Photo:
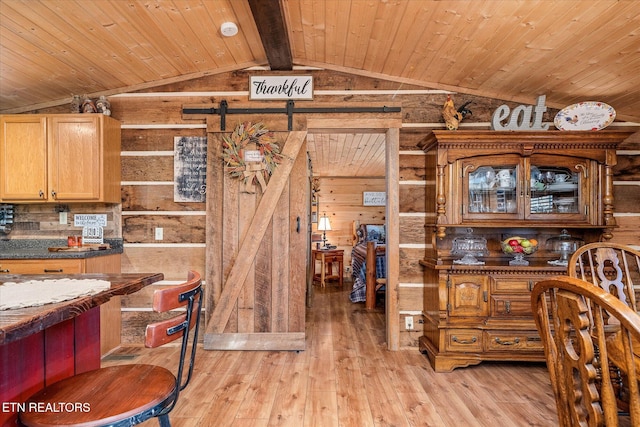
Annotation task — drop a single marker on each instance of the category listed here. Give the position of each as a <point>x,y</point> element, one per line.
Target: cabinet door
<point>559,189</point>
<point>491,187</point>
<point>468,295</point>
<point>75,158</point>
<point>23,166</point>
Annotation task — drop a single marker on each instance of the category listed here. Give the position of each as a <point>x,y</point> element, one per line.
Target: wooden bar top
<point>20,323</point>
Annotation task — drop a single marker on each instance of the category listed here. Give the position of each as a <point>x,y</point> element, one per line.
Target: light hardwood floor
<point>346,377</point>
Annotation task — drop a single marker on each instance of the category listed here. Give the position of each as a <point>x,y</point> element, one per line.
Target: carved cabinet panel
<point>468,295</point>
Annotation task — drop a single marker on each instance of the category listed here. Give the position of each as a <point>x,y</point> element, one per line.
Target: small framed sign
<point>252,156</point>
<point>374,198</point>
<point>281,87</point>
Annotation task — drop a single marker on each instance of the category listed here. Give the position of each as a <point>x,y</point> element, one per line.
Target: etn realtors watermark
<point>56,407</point>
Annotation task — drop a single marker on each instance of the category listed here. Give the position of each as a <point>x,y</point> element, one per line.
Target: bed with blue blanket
<point>365,234</point>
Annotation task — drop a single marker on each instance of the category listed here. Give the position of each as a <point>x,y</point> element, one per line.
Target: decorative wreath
<point>255,137</point>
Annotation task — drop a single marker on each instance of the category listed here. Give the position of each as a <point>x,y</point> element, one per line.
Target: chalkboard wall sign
<point>189,168</point>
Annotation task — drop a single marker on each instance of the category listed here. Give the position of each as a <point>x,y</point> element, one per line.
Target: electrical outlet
<point>63,218</point>
<point>159,233</point>
<point>408,323</point>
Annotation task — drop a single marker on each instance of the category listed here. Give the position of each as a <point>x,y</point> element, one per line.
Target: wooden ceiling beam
<point>269,18</point>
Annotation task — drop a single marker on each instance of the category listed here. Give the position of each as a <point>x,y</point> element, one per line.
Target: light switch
<point>63,218</point>
<point>159,233</point>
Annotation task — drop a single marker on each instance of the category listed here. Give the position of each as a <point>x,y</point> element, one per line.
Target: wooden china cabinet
<point>493,185</point>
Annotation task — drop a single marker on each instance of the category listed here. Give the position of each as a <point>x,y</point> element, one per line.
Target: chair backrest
<point>571,315</point>
<point>611,266</point>
<point>189,296</point>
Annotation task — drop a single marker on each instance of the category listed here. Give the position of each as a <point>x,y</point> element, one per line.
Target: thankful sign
<point>281,87</point>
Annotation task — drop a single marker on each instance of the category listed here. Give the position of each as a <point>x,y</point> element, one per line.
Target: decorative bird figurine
<point>464,110</point>
<point>453,117</point>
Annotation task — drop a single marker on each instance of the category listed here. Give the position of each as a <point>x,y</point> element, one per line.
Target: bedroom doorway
<point>390,128</point>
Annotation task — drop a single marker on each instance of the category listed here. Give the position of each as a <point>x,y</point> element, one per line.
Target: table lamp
<point>324,225</point>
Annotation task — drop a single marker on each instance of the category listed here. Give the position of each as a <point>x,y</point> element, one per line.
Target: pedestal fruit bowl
<point>519,247</point>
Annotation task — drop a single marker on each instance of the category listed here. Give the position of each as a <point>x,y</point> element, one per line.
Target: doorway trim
<point>390,125</point>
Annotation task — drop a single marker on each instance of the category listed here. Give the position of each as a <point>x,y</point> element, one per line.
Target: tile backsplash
<point>6,218</point>
<point>42,221</point>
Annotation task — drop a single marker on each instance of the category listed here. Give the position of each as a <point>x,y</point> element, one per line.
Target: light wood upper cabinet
<point>23,158</point>
<point>59,158</point>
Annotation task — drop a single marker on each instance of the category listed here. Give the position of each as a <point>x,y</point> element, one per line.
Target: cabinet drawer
<point>58,266</point>
<point>463,340</point>
<point>513,341</point>
<point>333,258</point>
<point>510,306</point>
<point>514,285</point>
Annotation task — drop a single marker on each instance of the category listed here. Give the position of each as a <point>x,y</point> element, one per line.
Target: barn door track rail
<point>289,110</point>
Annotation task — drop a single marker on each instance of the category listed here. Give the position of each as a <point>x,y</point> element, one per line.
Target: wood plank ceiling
<point>514,50</point>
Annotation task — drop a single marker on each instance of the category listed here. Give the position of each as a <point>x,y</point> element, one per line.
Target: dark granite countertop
<point>39,249</point>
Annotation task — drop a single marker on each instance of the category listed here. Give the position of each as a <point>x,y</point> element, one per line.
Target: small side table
<point>327,257</point>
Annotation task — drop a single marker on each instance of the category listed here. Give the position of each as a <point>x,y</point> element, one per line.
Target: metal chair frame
<point>188,295</point>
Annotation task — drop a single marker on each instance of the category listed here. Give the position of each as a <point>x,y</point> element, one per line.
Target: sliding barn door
<point>257,245</point>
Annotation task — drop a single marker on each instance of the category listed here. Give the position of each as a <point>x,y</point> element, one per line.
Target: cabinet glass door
<point>490,188</point>
<point>556,188</point>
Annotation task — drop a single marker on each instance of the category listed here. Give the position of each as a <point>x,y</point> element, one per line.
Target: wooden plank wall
<point>151,120</point>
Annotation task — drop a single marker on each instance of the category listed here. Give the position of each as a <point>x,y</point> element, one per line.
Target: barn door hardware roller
<point>289,110</point>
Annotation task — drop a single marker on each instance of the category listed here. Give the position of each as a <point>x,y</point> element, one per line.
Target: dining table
<point>45,343</point>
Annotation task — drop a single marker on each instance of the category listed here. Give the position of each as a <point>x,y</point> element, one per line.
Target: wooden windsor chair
<point>610,266</point>
<point>127,395</point>
<point>571,316</point>
<point>615,268</point>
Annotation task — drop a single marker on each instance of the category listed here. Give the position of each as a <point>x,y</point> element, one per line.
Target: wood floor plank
<point>353,405</point>
<point>226,401</point>
<point>419,409</point>
<point>383,399</point>
<point>321,409</point>
<point>291,397</point>
<point>322,375</point>
<point>250,422</point>
<point>259,399</point>
<point>347,378</point>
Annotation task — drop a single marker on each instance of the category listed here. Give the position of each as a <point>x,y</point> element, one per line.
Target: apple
<point>519,245</point>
